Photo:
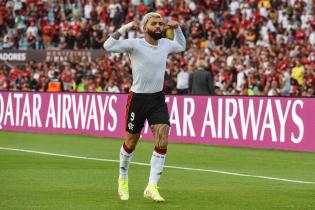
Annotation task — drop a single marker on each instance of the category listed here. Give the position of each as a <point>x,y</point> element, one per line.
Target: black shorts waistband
<point>147,94</point>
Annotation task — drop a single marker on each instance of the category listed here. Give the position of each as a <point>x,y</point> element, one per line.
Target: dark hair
<point>56,73</point>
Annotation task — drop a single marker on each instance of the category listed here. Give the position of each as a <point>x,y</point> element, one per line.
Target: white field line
<point>172,167</point>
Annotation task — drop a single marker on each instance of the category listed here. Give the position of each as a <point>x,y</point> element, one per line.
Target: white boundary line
<point>146,164</point>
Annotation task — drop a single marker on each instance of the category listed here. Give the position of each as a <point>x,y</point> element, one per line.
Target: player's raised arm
<point>113,44</point>
<point>179,42</point>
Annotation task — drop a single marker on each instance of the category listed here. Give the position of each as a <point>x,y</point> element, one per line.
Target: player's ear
<point>145,28</point>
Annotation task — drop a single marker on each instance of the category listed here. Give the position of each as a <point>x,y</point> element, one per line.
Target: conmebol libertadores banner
<point>277,123</point>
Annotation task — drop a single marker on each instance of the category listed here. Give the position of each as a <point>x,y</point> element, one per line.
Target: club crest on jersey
<point>130,126</point>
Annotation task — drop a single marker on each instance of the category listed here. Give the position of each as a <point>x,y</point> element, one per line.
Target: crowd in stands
<point>251,47</point>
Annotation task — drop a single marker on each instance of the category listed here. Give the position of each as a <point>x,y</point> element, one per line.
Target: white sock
<point>157,165</point>
<point>125,159</point>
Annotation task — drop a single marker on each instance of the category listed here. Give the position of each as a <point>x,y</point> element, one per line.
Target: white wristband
<point>125,28</point>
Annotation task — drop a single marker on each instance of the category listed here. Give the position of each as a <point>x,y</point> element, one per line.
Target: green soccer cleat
<point>152,192</point>
<point>123,191</point>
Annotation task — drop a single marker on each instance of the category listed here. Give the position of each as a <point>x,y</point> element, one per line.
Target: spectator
<point>8,41</point>
<point>54,84</point>
<point>272,88</point>
<point>182,80</point>
<point>286,80</point>
<point>201,81</point>
<point>31,41</point>
<point>32,29</point>
<point>111,87</point>
<point>298,72</point>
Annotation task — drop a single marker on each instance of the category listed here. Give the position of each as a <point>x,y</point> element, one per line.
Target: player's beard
<point>155,35</point>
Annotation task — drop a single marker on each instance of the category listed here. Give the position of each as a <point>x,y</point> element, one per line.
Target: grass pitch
<point>39,181</point>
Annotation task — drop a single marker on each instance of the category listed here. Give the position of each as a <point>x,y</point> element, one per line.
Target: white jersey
<point>148,61</point>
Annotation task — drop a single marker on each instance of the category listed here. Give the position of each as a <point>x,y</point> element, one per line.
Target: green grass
<point>35,181</point>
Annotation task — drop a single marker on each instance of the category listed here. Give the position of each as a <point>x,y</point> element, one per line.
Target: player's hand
<point>172,24</point>
<point>135,25</point>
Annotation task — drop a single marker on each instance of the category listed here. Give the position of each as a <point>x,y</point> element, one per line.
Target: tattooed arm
<point>116,35</point>
<point>179,42</point>
<point>113,44</point>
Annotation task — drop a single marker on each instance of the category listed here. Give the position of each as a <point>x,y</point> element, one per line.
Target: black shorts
<point>145,106</point>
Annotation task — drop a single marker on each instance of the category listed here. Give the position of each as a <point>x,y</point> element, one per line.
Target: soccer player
<point>146,100</point>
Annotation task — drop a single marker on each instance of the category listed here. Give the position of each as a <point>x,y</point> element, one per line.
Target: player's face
<point>155,28</point>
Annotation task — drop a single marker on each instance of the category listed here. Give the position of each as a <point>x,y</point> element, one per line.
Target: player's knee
<point>131,144</point>
<point>131,140</point>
